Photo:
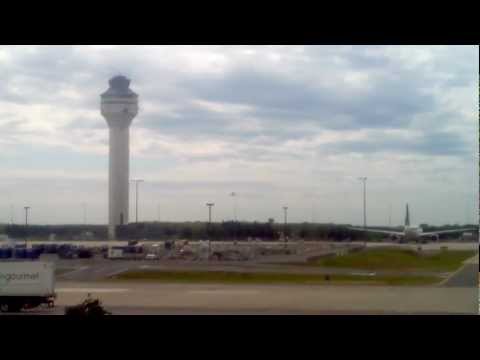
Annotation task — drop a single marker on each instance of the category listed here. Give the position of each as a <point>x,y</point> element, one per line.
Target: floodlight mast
<point>364,180</point>
<point>136,181</point>
<point>285,211</point>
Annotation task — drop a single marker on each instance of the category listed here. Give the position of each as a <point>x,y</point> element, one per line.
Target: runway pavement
<point>200,298</point>
<point>132,310</point>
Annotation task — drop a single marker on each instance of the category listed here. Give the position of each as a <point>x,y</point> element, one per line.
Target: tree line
<point>227,230</point>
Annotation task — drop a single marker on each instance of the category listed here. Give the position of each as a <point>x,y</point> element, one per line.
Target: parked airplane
<point>411,232</point>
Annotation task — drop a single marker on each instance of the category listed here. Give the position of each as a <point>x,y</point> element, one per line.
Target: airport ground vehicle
<point>151,257</point>
<point>124,252</point>
<point>26,284</point>
<point>89,307</point>
<point>114,253</point>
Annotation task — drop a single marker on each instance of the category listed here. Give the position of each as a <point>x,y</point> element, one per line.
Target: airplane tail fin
<point>407,218</point>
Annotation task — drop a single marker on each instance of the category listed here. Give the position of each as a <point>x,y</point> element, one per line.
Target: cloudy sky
<point>278,125</point>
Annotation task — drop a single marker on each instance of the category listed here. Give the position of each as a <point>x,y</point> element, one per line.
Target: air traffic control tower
<point>119,105</point>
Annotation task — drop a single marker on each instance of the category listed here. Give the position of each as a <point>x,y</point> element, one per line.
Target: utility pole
<point>285,209</point>
<point>11,214</point>
<point>364,180</point>
<point>136,181</point>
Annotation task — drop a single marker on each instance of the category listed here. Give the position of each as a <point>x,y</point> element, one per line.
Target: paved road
<point>202,298</point>
<point>467,276</point>
<point>132,310</point>
<point>154,298</point>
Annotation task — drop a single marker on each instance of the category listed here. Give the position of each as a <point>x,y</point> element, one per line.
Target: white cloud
<point>296,118</point>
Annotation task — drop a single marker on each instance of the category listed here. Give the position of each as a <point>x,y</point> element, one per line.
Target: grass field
<point>270,278</point>
<point>398,259</point>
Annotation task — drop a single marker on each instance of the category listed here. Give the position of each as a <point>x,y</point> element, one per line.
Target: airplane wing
<point>445,232</point>
<point>397,233</point>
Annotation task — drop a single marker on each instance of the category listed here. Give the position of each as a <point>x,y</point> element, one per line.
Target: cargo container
<point>26,284</point>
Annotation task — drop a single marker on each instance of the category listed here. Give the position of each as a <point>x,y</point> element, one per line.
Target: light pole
<point>364,180</point>
<point>26,223</point>
<point>312,219</point>
<point>390,215</point>
<point>233,195</point>
<point>285,209</point>
<point>26,214</point>
<point>84,206</point>
<point>210,212</point>
<point>136,181</point>
<point>209,227</point>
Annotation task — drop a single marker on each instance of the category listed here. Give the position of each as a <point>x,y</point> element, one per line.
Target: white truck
<point>115,252</point>
<point>26,284</point>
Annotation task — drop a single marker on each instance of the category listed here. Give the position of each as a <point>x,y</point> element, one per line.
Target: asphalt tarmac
<point>466,276</point>
<point>153,298</point>
<point>459,295</point>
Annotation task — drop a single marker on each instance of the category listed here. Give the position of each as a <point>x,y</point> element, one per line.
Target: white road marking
<point>92,290</point>
<point>117,272</point>
<point>473,260</point>
<point>224,292</point>
<point>363,274</point>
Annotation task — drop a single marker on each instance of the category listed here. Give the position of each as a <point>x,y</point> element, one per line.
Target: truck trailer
<point>26,285</point>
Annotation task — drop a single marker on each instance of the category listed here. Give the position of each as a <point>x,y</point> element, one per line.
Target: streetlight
<point>209,227</point>
<point>233,195</point>
<point>285,209</point>
<point>136,181</point>
<point>84,206</point>
<point>390,215</point>
<point>210,212</point>
<point>26,214</point>
<point>364,180</point>
<point>26,223</point>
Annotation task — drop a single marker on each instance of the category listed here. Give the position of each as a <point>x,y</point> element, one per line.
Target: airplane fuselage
<point>412,232</point>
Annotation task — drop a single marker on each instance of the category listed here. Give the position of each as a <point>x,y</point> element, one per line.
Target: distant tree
<point>187,233</point>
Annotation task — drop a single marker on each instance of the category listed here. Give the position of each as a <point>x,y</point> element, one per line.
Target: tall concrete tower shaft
<point>119,105</point>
